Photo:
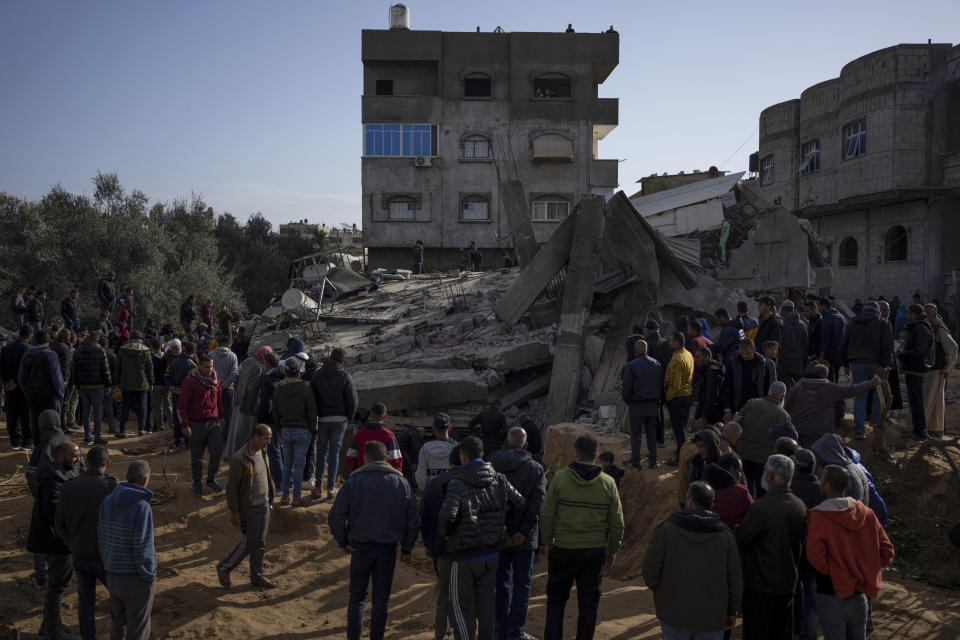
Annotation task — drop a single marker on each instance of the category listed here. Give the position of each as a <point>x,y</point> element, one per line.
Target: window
<point>810,157</point>
<point>402,208</point>
<point>398,140</point>
<point>766,169</point>
<point>475,208</point>
<point>552,147</point>
<point>550,210</point>
<point>476,147</point>
<point>895,244</point>
<point>854,139</point>
<point>552,85</point>
<point>384,87</point>
<point>477,86</point>
<point>848,257</point>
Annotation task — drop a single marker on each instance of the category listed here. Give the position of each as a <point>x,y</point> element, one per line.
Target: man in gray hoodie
<point>829,450</point>
<point>227,367</point>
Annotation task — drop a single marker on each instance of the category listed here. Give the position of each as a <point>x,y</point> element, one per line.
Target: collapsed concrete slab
<point>402,389</point>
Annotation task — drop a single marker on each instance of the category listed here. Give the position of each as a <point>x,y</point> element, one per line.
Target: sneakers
<point>285,501</point>
<point>143,432</point>
<point>332,493</point>
<point>88,441</point>
<point>99,441</point>
<point>300,502</point>
<point>197,489</point>
<point>309,484</point>
<point>16,447</point>
<point>223,575</point>
<point>214,486</point>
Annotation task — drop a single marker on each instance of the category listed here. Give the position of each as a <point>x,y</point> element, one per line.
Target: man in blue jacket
<point>41,380</point>
<point>642,382</point>
<point>373,512</point>
<point>125,532</point>
<point>436,544</point>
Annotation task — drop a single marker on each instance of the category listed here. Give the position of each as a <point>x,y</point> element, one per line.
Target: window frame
<point>547,76</point>
<point>888,244</point>
<point>843,261</point>
<point>854,130</point>
<point>473,138</point>
<point>476,75</point>
<point>474,198</point>
<point>764,180</point>
<point>412,206</point>
<point>810,151</point>
<point>419,139</point>
<point>546,202</point>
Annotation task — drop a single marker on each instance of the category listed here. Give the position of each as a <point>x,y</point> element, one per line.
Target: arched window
<point>402,208</point>
<point>848,252</point>
<point>551,147</point>
<point>895,244</point>
<point>476,147</point>
<point>475,207</point>
<point>550,209</point>
<point>477,85</point>
<point>552,85</point>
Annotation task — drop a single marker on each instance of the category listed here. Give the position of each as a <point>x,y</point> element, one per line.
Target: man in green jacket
<point>582,525</point>
<point>135,377</point>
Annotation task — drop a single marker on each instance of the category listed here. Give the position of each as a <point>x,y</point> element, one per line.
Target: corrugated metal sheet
<point>686,195</point>
<point>702,216</point>
<point>687,249</point>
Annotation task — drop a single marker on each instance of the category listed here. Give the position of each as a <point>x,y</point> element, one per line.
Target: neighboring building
<point>303,229</point>
<point>346,237</point>
<point>655,183</point>
<point>438,107</point>
<point>872,158</point>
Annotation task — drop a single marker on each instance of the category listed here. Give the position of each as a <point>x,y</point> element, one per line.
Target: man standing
<point>749,376</point>
<point>418,257</point>
<point>18,307</point>
<point>177,371</point>
<point>245,400</point>
<point>811,402</point>
<point>125,532</point>
<point>336,399</point>
<point>63,347</point>
<point>935,381</point>
<point>160,408</point>
<point>916,357</point>
<point>641,390</point>
<point>678,387</point>
<point>813,318</point>
<point>848,548</point>
<point>582,527</point>
<point>832,328</point>
<point>436,544</point>
<point>527,477</point>
<point>709,387</point>
<point>200,414</point>
<point>68,311</point>
<point>730,336</point>
<point>249,498</point>
<point>771,540</point>
<point>492,427</point>
<point>188,313</point>
<point>747,322</point>
<point>693,558</point>
<point>794,344</point>
<point>866,346</point>
<point>374,429</point>
<point>43,536</point>
<point>659,350</point>
<point>41,380</point>
<point>206,314</point>
<point>373,512</point>
<point>695,338</point>
<point>35,312</point>
<point>434,457</point>
<point>17,407</point>
<point>107,291</point>
<point>770,326</point>
<point>758,417</point>
<point>76,524</point>
<point>272,377</point>
<point>135,377</point>
<point>227,367</point>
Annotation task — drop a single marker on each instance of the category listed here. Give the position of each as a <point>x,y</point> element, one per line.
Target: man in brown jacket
<point>249,496</point>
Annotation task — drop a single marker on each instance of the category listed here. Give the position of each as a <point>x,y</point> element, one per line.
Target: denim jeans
<point>295,443</point>
<point>843,618</point>
<point>59,573</point>
<point>329,441</point>
<point>91,401</point>
<point>511,613</point>
<point>375,561</point>
<point>87,575</point>
<point>805,618</point>
<point>137,400</point>
<point>860,372</point>
<point>275,455</point>
<point>673,633</point>
<point>40,567</point>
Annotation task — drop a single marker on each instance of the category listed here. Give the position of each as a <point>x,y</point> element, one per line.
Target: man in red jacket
<point>200,414</point>
<point>848,548</point>
<point>374,429</point>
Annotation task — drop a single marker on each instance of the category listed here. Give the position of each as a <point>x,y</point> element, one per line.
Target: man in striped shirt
<point>374,429</point>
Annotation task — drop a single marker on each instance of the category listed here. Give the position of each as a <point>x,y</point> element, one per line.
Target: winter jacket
<point>159,368</point>
<point>68,311</point>
<point>700,341</point>
<point>750,326</point>
<point>493,428</point>
<point>614,472</point>
<point>698,464</point>
<point>240,483</point>
<point>794,340</point>
<point>811,403</point>
<point>433,461</point>
<point>771,539</point>
<point>829,449</point>
<point>179,369</point>
<point>832,328</point>
<point>918,354</point>
<point>737,390</point>
<point>373,431</point>
<point>199,399</point>
<point>475,512</point>
<point>642,380</point>
<point>51,437</point>
<point>294,406</point>
<point>134,367</point>
<point>876,503</point>
<point>334,391</point>
<point>248,386</point>
<point>375,506</point>
<point>188,313</point>
<point>582,510</point>
<point>760,415</point>
<point>78,511</point>
<point>527,477</point>
<point>728,341</point>
<point>709,393</point>
<point>430,505</point>
<point>206,316</point>
<point>769,328</point>
<point>106,291</point>
<point>10,358</point>
<point>806,486</point>
<point>64,351</point>
<point>126,532</point>
<point>268,385</point>
<point>813,336</point>
<point>90,367</point>
<point>40,372</point>
<point>693,568</point>
<point>659,349</point>
<point>732,500</point>
<point>848,548</point>
<point>42,536</point>
<point>410,441</point>
<point>867,340</point>
<point>678,378</point>
<point>227,367</point>
<point>35,312</point>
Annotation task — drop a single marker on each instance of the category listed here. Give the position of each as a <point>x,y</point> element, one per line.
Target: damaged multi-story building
<point>449,117</point>
<point>872,159</point>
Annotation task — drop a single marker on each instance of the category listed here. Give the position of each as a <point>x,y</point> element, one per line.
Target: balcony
<point>605,111</point>
<point>603,173</point>
<point>387,109</point>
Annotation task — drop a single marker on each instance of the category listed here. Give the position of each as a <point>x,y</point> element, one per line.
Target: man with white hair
<point>729,437</point>
<point>757,418</point>
<point>771,539</point>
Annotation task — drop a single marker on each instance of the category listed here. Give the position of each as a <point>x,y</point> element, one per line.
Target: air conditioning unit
<point>422,161</point>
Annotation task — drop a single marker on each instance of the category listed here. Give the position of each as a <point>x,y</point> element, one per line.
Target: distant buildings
<point>655,183</point>
<point>344,236</point>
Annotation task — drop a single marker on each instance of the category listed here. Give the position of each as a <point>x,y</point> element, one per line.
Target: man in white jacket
<point>435,454</point>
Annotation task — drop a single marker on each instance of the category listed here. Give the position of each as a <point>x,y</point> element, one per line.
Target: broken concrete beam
<point>418,388</point>
<point>577,297</point>
<point>518,357</point>
<point>538,273</point>
<point>514,200</point>
<point>527,392</point>
<point>544,314</point>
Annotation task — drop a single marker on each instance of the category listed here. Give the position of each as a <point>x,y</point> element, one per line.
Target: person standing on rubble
<point>418,257</point>
<point>678,386</point>
<point>336,399</point>
<point>641,389</point>
<point>272,376</point>
<point>492,427</point>
<point>770,323</point>
<point>659,350</point>
<point>476,257</point>
<point>731,333</point>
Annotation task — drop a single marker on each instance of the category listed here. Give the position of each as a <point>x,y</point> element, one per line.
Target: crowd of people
<point>779,523</point>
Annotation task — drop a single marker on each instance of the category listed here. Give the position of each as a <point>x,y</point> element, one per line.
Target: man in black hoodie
<point>527,476</point>
<point>866,346</point>
<point>336,400</point>
<point>17,407</point>
<point>474,516</point>
<point>916,358</point>
<point>433,495</point>
<point>490,426</point>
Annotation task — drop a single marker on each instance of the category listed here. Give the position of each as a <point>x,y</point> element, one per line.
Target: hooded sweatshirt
<point>867,340</point>
<point>226,365</point>
<point>830,450</point>
<point>134,367</point>
<point>200,398</point>
<point>848,548</point>
<point>126,532</point>
<point>732,500</point>
<point>51,436</point>
<point>693,568</point>
<point>582,510</point>
<point>698,465</point>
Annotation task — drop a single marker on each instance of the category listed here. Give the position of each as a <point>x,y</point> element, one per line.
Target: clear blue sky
<point>255,105</point>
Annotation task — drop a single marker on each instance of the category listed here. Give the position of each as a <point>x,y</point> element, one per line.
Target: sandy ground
<point>194,533</point>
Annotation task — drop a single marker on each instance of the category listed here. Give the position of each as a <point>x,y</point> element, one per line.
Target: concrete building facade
<point>872,158</point>
<point>446,116</point>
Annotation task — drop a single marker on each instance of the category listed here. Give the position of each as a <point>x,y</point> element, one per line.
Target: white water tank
<point>400,17</point>
<point>299,304</point>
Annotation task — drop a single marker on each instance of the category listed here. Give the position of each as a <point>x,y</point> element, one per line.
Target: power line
<point>749,138</point>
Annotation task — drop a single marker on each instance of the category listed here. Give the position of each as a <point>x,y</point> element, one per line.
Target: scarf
<point>261,353</point>
<point>208,381</point>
